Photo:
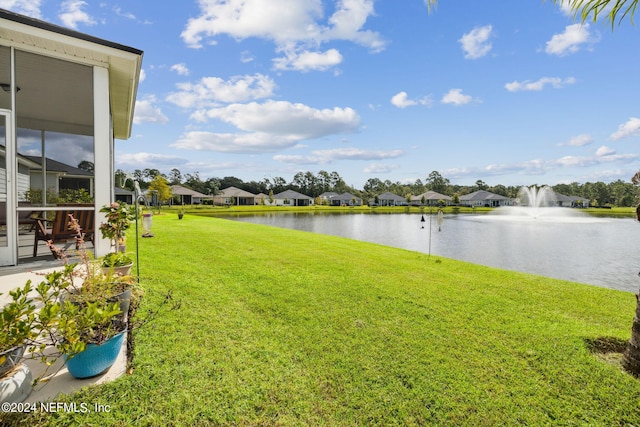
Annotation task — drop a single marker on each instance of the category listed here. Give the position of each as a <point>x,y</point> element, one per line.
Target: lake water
<point>598,251</point>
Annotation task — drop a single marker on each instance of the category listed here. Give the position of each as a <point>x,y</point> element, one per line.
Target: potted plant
<point>24,324</point>
<point>89,336</point>
<point>84,312</point>
<point>118,219</point>
<point>86,333</point>
<point>17,319</point>
<point>181,212</point>
<point>118,262</point>
<point>87,281</point>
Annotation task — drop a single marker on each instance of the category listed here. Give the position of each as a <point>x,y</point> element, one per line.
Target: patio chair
<point>24,217</point>
<point>61,229</point>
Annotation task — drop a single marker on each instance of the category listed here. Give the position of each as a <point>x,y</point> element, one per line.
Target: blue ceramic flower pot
<point>95,359</point>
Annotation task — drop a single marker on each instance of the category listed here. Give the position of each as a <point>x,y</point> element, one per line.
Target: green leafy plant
<point>119,217</point>
<point>69,324</point>
<point>17,320</point>
<point>74,196</point>
<point>116,259</point>
<point>86,280</point>
<point>80,325</point>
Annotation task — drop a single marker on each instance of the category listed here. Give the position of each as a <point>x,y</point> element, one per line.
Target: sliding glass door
<point>7,218</point>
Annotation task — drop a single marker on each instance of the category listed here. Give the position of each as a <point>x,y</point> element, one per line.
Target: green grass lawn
<point>281,327</point>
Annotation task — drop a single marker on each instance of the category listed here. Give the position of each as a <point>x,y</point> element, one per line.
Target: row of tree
<point>616,193</point>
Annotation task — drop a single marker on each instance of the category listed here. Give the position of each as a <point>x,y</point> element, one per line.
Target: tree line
<point>616,193</point>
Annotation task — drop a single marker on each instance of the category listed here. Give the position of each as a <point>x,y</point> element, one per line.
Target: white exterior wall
<point>23,185</point>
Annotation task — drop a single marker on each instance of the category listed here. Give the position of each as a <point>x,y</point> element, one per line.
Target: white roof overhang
<point>41,38</point>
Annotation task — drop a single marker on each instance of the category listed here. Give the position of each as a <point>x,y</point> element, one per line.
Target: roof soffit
<point>123,63</point>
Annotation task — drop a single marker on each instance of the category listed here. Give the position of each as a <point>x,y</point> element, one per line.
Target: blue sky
<point>509,92</point>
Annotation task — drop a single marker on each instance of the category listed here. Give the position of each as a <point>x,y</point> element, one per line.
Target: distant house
<point>571,201</point>
<point>291,198</point>
<point>261,199</point>
<point>234,196</point>
<point>485,198</point>
<point>123,195</point>
<point>326,197</point>
<point>430,198</point>
<point>187,196</point>
<point>345,199</point>
<point>390,199</point>
<point>60,176</point>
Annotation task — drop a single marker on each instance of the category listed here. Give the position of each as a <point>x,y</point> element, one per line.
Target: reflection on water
<point>598,251</point>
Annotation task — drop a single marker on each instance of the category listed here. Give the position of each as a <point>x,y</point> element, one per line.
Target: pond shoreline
<point>597,250</point>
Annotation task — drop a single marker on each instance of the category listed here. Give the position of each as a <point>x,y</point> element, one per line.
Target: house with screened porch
<point>65,97</point>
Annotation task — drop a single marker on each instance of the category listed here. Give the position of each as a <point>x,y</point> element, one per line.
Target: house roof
<point>179,190</point>
<point>431,195</point>
<point>59,167</point>
<point>390,196</point>
<point>563,198</point>
<point>123,191</point>
<point>482,195</point>
<point>328,195</point>
<point>290,194</point>
<point>235,192</point>
<point>70,93</point>
<point>345,196</point>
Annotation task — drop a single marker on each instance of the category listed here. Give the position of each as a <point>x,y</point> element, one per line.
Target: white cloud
<point>347,22</point>
<point>288,23</point>
<point>299,159</point>
<point>630,128</point>
<point>539,84</point>
<point>327,156</point>
<point>24,7</point>
<point>380,168</point>
<point>146,112</point>
<point>270,126</point>
<point>565,7</point>
<point>475,43</point>
<point>148,159</point>
<point>281,21</point>
<point>307,60</point>
<point>118,11</point>
<point>71,14</point>
<point>297,27</point>
<point>605,151</point>
<point>181,69</point>
<point>401,100</point>
<point>143,76</point>
<point>578,141</point>
<point>210,91</point>
<point>357,154</point>
<point>298,121</point>
<point>456,97</point>
<point>246,57</point>
<point>570,41</point>
<point>257,142</point>
<point>604,155</point>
